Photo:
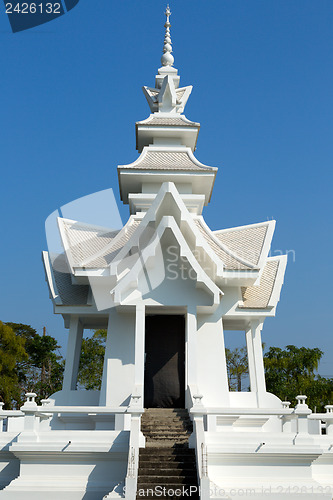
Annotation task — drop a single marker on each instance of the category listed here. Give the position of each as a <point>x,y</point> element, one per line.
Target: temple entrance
<point>165,362</point>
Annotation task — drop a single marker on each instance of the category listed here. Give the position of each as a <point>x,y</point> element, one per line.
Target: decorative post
<point>44,417</point>
<point>136,440</point>
<point>31,421</point>
<point>329,420</point>
<point>286,419</point>
<point>302,411</point>
<point>197,441</point>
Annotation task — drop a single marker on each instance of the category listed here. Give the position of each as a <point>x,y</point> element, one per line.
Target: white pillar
<point>250,357</point>
<point>73,354</point>
<point>139,370</point>
<point>191,341</point>
<point>256,327</point>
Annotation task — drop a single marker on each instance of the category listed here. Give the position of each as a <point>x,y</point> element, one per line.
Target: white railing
<point>136,440</point>
<point>198,440</point>
<point>33,418</point>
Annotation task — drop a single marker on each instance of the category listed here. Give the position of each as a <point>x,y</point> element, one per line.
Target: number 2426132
<point>33,8</point>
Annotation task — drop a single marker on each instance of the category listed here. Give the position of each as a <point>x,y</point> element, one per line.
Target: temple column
<point>191,352</point>
<point>73,354</point>
<point>250,357</point>
<point>139,371</point>
<point>256,327</point>
<point>191,331</point>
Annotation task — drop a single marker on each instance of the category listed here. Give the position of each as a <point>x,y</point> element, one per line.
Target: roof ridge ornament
<point>167,57</point>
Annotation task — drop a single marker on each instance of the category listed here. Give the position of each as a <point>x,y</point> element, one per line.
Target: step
<point>161,415</point>
<point>164,443</point>
<point>170,485</point>
<point>159,437</point>
<point>166,423</point>
<point>163,469</point>
<point>159,423</point>
<point>173,477</point>
<point>168,464</point>
<point>175,451</point>
<point>165,433</point>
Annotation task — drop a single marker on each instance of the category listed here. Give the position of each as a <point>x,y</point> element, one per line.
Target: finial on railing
<point>167,58</point>
<point>30,398</point>
<point>301,399</point>
<point>197,399</point>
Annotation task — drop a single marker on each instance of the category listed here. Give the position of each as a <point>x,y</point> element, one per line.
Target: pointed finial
<point>167,58</point>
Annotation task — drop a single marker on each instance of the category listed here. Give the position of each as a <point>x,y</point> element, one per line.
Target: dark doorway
<point>165,362</point>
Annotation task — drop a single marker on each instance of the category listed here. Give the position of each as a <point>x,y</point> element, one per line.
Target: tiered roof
<point>166,187</point>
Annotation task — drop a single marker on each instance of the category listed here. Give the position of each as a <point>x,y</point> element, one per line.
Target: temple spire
<point>167,97</point>
<point>167,57</point>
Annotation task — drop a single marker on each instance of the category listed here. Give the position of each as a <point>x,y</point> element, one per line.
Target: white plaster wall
<point>9,464</point>
<point>212,377</point>
<point>75,398</point>
<point>118,372</point>
<point>71,465</point>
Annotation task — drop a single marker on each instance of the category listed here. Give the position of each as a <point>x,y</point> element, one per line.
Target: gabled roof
<point>235,249</point>
<point>229,258</point>
<point>267,293</point>
<point>59,279</point>
<point>144,262</point>
<point>251,242</point>
<point>82,241</point>
<point>92,251</point>
<point>110,252</point>
<point>216,258</point>
<point>88,246</point>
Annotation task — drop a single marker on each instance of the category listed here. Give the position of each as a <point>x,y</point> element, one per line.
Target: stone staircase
<point>167,466</point>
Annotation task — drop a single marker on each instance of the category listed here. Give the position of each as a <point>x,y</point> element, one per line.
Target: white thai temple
<point>166,287</point>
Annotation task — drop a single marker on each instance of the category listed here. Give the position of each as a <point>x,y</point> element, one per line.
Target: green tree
<point>292,371</point>
<point>42,371</point>
<point>12,352</point>
<point>92,360</point>
<point>237,367</point>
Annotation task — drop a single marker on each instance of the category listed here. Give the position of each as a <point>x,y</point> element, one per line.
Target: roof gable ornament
<point>167,58</point>
<point>167,97</point>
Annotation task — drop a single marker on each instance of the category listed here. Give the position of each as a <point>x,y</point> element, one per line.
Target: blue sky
<point>262,76</point>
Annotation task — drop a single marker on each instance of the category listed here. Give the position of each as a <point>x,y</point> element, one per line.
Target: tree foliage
<point>41,371</point>
<point>292,371</point>
<point>92,360</point>
<point>12,352</point>
<point>237,367</point>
